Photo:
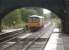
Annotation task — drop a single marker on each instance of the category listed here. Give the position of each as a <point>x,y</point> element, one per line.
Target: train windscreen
<point>33,19</point>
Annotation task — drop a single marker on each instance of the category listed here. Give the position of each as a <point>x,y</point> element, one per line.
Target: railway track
<point>24,41</point>
<point>9,36</point>
<point>18,41</point>
<point>38,44</point>
<point>24,44</point>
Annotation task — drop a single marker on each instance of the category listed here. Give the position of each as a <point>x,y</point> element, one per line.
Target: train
<point>35,22</point>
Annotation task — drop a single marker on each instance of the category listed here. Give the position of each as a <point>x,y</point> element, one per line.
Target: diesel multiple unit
<point>35,22</point>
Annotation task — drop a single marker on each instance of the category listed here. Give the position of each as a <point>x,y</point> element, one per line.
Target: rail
<point>10,35</point>
<point>24,42</point>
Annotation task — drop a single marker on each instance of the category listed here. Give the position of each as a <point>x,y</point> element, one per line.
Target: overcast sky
<point>46,11</point>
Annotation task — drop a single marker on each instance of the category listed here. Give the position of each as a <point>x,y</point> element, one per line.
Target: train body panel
<point>35,22</point>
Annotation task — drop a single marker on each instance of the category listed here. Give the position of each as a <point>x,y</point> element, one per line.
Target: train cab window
<point>35,19</point>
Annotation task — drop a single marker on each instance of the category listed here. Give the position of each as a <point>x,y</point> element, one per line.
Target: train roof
<point>37,16</point>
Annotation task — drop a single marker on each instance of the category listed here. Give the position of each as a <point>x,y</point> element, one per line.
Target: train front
<point>33,23</point>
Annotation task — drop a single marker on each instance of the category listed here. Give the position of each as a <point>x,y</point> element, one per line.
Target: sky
<point>46,11</point>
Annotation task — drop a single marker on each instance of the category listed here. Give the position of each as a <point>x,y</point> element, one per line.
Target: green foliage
<point>56,20</point>
<point>25,13</point>
<point>18,17</point>
<point>12,19</point>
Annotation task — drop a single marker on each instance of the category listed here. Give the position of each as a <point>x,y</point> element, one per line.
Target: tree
<point>39,10</point>
<point>26,13</point>
<point>18,17</point>
<point>12,19</point>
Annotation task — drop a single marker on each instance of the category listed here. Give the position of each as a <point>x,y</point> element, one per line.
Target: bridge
<point>59,7</point>
<point>56,6</point>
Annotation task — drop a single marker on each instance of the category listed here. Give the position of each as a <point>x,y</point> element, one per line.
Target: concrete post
<point>0,25</point>
<point>66,23</point>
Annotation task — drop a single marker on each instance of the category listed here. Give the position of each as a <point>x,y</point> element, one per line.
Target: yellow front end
<point>33,25</point>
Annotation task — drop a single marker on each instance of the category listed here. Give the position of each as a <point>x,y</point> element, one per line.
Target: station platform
<point>58,41</point>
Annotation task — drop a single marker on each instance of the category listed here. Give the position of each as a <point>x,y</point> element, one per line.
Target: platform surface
<point>58,41</point>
